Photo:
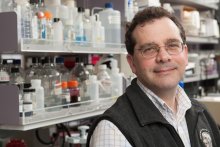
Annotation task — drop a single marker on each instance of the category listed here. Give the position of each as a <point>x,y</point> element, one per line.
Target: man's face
<point>163,71</point>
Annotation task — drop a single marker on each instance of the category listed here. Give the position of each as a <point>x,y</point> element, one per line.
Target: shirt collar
<point>183,102</point>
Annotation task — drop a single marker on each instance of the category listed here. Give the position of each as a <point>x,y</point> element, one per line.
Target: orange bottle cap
<point>73,83</point>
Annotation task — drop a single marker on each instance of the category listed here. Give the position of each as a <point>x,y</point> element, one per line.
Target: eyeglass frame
<point>159,47</point>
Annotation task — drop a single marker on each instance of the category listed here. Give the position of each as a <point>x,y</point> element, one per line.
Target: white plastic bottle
<point>98,32</point>
<point>93,88</point>
<point>58,31</point>
<point>105,81</point>
<point>111,20</point>
<point>117,80</point>
<point>36,84</point>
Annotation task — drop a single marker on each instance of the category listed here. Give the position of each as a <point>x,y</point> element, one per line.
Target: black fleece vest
<point>144,126</point>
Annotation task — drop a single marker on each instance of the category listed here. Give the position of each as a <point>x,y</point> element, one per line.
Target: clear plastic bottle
<point>105,81</point>
<point>98,32</point>
<point>16,76</point>
<point>69,24</point>
<point>4,75</point>
<point>117,80</point>
<point>60,67</point>
<point>39,90</point>
<point>93,88</point>
<point>87,26</point>
<point>49,26</point>
<point>80,37</point>
<point>34,71</point>
<point>65,96</point>
<point>68,31</point>
<point>79,72</point>
<point>25,19</point>
<point>51,81</point>
<point>111,20</point>
<point>90,69</point>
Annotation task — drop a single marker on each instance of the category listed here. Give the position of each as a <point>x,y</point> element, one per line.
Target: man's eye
<point>172,45</point>
<point>149,50</point>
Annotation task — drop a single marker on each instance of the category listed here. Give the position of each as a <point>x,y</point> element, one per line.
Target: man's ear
<point>131,63</point>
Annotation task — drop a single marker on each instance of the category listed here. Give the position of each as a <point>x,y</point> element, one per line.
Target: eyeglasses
<point>151,50</point>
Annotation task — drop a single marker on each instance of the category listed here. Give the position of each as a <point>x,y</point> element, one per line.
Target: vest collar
<point>143,107</point>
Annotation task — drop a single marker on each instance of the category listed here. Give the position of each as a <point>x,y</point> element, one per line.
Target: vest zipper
<point>175,135</point>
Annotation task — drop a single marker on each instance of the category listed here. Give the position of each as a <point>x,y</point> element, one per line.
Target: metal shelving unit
<point>202,40</point>
<point>199,4</point>
<point>200,77</point>
<point>45,46</point>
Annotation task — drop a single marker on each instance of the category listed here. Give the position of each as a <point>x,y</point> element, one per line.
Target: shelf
<point>202,40</point>
<point>196,78</point>
<point>46,46</point>
<point>193,3</point>
<point>48,117</point>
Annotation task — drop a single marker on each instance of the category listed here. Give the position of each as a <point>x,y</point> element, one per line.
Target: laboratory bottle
<point>68,31</point>
<point>98,32</point>
<point>29,101</point>
<point>16,77</point>
<point>39,90</point>
<point>41,25</point>
<point>49,30</point>
<point>33,72</point>
<point>79,72</point>
<point>53,7</point>
<point>60,67</point>
<point>111,20</point>
<point>74,92</point>
<point>24,14</point>
<point>4,75</point>
<point>90,69</point>
<point>7,64</point>
<point>105,81</point>
<point>17,64</point>
<point>117,79</point>
<point>65,96</point>
<point>87,26</point>
<point>80,37</point>
<point>58,31</point>
<point>129,11</point>
<point>34,19</point>
<point>69,24</point>
<point>51,81</point>
<point>93,88</point>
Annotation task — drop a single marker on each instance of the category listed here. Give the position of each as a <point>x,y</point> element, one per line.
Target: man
<point>154,111</point>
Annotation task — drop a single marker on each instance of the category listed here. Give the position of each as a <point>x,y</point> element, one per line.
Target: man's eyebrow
<point>149,44</point>
<point>171,40</point>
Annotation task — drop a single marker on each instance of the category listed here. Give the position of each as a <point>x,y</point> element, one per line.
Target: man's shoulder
<point>197,105</point>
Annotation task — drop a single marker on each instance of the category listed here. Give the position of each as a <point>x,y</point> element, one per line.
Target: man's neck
<point>169,97</point>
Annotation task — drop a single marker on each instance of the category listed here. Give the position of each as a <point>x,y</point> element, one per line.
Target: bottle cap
<point>64,85</point>
<point>48,15</point>
<point>59,60</point>
<point>81,9</point>
<point>73,83</point>
<point>102,66</point>
<point>40,15</point>
<point>36,82</point>
<point>27,85</point>
<point>108,5</point>
<point>56,19</point>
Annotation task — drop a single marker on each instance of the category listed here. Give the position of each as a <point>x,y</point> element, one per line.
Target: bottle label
<point>57,88</point>
<point>4,77</point>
